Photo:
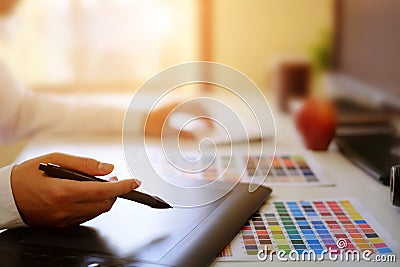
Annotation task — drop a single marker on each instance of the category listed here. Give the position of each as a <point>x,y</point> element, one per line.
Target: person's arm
<point>24,113</point>
<point>51,113</point>
<point>34,199</point>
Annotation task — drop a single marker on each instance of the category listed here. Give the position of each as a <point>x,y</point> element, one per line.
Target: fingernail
<point>138,182</point>
<point>114,178</point>
<point>105,167</point>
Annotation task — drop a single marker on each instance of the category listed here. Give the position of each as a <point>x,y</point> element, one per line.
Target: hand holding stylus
<point>59,172</point>
<point>42,201</point>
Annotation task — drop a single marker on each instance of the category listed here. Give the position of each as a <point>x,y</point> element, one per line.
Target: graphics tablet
<point>131,234</point>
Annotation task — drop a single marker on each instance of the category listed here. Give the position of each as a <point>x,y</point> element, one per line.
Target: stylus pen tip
<point>161,204</point>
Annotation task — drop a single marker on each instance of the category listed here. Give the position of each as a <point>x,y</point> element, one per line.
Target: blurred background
<point>346,49</point>
<point>114,45</point>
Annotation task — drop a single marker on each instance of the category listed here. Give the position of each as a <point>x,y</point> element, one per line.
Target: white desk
<point>350,181</point>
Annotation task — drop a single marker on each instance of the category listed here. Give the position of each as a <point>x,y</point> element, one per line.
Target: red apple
<point>316,122</point>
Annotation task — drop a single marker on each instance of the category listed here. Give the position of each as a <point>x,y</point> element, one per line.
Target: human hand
<point>157,120</point>
<point>44,201</point>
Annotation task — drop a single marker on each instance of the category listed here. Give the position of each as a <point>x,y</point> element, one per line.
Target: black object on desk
<point>367,137</point>
<point>395,185</point>
<point>56,171</point>
<point>192,236</point>
<point>375,154</point>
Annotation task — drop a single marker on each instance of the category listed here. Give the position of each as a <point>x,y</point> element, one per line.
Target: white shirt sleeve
<point>9,215</point>
<point>24,113</point>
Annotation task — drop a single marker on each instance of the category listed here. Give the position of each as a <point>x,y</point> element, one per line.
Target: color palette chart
<point>304,226</point>
<point>288,169</point>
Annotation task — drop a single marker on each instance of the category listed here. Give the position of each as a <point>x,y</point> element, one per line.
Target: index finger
<point>97,191</point>
<point>83,164</point>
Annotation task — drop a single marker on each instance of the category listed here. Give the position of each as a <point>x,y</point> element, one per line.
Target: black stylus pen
<point>56,171</point>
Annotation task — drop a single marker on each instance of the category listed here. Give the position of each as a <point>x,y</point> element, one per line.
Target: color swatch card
<point>324,228</point>
<point>288,169</point>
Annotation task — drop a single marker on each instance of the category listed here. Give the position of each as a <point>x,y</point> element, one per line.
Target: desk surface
<point>351,182</point>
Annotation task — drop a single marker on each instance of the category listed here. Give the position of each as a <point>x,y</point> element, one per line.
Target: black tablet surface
<point>136,235</point>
